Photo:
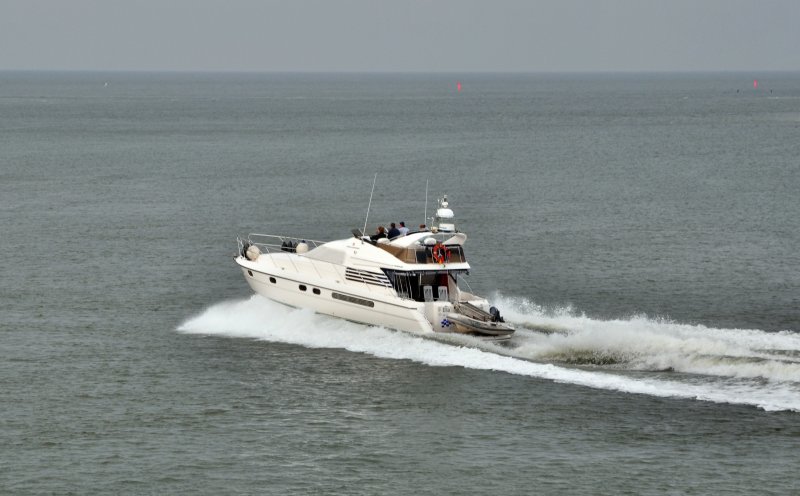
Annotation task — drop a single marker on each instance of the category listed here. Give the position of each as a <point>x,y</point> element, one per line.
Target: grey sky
<point>401,35</point>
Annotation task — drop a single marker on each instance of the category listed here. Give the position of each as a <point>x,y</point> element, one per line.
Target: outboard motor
<point>496,315</point>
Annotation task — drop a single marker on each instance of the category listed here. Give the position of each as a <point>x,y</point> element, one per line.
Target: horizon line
<point>405,72</point>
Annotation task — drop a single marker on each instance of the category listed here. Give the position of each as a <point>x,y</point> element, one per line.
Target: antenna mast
<point>426,203</point>
<point>364,231</point>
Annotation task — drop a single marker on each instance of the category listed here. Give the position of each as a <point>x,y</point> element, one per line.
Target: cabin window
<point>272,280</point>
<point>353,299</point>
<point>411,285</point>
<point>302,287</point>
<point>316,291</point>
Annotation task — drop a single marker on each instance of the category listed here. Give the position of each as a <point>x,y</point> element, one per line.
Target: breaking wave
<point>737,366</point>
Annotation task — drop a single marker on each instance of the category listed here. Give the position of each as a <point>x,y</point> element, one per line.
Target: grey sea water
<point>640,230</point>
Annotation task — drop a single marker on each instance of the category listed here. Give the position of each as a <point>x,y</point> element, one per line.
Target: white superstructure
<point>409,283</point>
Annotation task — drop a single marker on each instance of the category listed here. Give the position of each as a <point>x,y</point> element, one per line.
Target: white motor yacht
<point>409,283</point>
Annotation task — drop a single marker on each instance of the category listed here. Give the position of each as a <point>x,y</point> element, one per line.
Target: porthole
<point>250,272</point>
<point>302,287</point>
<point>272,280</point>
<point>316,291</point>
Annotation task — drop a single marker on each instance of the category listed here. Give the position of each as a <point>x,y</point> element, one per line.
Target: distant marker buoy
<point>755,84</point>
<point>458,86</point>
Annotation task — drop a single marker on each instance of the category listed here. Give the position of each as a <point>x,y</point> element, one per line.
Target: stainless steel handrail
<point>279,240</point>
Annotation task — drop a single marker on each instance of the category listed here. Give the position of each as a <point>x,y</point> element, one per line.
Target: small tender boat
<point>411,282</point>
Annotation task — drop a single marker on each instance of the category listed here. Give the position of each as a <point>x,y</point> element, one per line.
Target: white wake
<point>641,343</point>
<point>732,366</point>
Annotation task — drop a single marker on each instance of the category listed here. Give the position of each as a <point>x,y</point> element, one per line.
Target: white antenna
<point>426,203</point>
<point>370,204</point>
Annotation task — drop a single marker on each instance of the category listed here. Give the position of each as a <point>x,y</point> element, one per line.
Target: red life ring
<point>440,253</point>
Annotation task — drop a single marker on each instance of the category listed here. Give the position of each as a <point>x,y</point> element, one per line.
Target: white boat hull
<point>337,299</point>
